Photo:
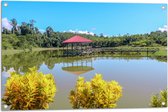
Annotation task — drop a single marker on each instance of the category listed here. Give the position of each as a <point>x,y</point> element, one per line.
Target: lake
<point>140,77</point>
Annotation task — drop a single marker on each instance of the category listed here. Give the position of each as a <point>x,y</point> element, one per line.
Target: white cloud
<point>6,24</point>
<point>80,32</point>
<point>41,30</point>
<point>105,35</point>
<point>164,28</point>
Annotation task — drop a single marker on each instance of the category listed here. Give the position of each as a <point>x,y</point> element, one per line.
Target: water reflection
<point>6,73</point>
<point>29,59</point>
<point>77,70</point>
<point>139,76</point>
<point>79,67</point>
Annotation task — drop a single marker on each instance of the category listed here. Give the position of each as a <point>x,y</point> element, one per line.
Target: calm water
<point>140,77</point>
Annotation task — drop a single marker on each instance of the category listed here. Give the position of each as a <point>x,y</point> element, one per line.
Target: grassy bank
<point>13,51</point>
<point>162,51</point>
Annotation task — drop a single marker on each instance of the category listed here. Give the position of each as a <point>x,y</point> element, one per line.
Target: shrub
<point>97,93</point>
<point>33,90</point>
<point>159,100</point>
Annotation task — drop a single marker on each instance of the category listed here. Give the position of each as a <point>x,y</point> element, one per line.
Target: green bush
<point>159,100</point>
<point>97,93</point>
<point>30,91</point>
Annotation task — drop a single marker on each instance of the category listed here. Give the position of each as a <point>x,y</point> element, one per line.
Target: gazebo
<point>77,70</point>
<point>76,40</point>
<point>78,67</point>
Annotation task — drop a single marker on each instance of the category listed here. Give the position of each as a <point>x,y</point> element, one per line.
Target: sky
<point>111,19</point>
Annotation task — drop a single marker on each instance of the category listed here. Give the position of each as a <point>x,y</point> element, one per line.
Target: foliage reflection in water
<point>131,71</point>
<point>26,60</point>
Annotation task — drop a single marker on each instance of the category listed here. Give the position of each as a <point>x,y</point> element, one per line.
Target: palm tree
<point>25,28</point>
<point>14,24</point>
<point>32,25</point>
<point>49,31</point>
<point>36,30</point>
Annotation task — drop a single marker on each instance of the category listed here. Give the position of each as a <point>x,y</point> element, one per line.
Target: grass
<point>162,51</point>
<point>14,51</point>
<point>10,52</point>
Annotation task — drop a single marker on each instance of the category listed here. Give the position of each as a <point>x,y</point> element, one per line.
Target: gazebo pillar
<point>72,47</point>
<point>67,49</point>
<point>81,46</point>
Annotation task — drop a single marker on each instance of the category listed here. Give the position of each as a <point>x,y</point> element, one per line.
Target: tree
<point>101,35</point>
<point>25,28</point>
<point>33,37</point>
<point>5,31</point>
<point>37,31</point>
<point>49,31</point>
<point>32,25</point>
<point>14,25</point>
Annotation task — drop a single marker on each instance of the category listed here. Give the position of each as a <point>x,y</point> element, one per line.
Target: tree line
<point>27,35</point>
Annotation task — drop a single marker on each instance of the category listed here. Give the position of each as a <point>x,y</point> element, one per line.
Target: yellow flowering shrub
<point>159,100</point>
<point>33,90</point>
<point>97,93</point>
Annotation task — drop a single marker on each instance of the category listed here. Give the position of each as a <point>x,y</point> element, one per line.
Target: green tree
<point>49,31</point>
<point>14,25</point>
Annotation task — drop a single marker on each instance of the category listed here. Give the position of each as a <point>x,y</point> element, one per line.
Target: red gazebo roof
<point>77,39</point>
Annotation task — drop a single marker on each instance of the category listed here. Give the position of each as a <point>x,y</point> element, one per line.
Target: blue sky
<point>106,18</point>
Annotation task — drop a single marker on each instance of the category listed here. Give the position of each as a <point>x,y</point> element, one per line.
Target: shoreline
<point>14,51</point>
<point>162,50</point>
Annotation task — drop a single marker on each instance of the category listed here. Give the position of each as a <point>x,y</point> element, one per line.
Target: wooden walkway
<point>113,50</point>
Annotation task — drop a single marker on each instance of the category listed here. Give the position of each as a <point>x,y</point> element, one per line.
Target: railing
<point>111,50</point>
<point>136,49</point>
